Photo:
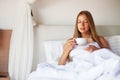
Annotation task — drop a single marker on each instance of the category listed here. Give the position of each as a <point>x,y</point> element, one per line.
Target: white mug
<point>81,41</point>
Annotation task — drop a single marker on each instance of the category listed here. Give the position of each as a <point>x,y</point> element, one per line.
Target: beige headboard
<point>45,32</point>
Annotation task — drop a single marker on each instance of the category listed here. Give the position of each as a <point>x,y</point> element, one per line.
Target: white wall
<point>10,13</point>
<point>61,12</point>
<point>64,12</point>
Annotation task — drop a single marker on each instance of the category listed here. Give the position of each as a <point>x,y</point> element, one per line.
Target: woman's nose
<point>82,24</point>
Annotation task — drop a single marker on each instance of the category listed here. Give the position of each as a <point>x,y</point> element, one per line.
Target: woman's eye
<point>86,21</point>
<point>78,22</point>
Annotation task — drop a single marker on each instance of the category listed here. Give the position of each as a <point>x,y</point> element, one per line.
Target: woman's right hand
<point>69,45</point>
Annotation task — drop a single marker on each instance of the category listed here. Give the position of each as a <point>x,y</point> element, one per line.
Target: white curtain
<point>21,46</point>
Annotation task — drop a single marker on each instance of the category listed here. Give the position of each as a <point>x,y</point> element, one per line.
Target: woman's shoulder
<point>104,42</point>
<point>101,37</point>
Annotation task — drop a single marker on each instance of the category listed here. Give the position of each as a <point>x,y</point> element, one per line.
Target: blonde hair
<point>91,25</point>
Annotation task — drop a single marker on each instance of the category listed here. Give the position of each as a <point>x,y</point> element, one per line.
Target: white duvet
<point>101,64</point>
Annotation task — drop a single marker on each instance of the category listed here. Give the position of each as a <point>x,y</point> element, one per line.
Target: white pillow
<point>53,49</point>
<point>114,42</point>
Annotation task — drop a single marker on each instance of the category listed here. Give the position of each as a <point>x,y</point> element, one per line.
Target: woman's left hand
<point>91,48</point>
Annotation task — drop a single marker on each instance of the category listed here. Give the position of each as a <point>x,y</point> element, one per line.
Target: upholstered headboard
<point>45,33</point>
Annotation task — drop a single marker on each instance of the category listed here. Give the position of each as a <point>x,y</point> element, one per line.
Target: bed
<point>49,41</point>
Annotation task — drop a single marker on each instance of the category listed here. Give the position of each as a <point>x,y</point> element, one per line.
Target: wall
<point>63,12</point>
<point>10,13</point>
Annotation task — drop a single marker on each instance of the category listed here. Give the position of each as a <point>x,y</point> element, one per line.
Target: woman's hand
<point>91,48</point>
<point>69,45</point>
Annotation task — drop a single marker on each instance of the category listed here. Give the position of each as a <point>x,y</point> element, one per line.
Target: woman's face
<point>82,24</point>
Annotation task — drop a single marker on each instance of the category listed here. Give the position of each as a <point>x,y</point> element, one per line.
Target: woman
<point>85,28</point>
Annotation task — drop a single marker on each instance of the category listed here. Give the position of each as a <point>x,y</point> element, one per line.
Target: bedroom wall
<point>10,13</point>
<point>63,12</point>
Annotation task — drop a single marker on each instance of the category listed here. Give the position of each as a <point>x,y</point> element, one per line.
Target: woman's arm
<point>104,42</point>
<point>69,45</point>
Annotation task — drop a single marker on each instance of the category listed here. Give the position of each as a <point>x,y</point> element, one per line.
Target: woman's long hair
<point>91,26</point>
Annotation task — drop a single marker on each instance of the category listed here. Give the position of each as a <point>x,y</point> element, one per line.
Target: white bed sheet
<point>102,65</point>
<point>43,78</point>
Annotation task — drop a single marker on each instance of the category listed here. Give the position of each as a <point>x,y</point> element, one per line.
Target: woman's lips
<point>82,28</point>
